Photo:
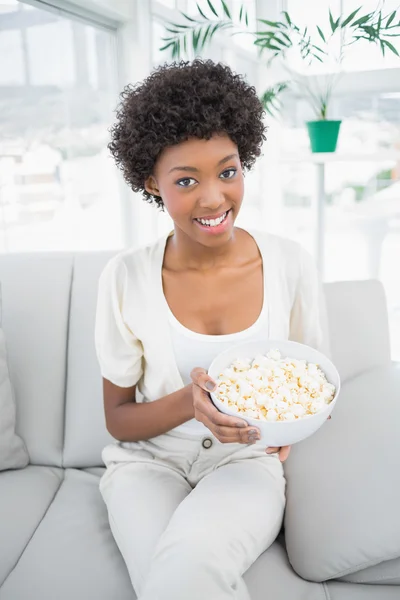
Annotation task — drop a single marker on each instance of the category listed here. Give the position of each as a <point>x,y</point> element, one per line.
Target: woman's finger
<point>247,435</point>
<point>201,378</point>
<point>283,452</point>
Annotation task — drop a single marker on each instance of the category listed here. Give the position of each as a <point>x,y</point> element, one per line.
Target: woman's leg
<point>141,498</point>
<point>217,532</point>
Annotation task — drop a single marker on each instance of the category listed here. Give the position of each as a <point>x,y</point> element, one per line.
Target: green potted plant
<point>289,44</point>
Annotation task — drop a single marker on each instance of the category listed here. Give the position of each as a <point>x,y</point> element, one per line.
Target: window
<point>58,184</point>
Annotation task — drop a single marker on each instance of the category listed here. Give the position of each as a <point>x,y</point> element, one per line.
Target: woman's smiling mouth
<point>216,225</point>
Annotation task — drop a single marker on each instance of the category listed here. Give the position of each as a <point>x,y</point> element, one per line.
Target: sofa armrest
<point>358,326</point>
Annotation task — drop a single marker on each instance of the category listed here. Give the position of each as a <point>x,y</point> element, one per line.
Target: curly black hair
<point>179,101</point>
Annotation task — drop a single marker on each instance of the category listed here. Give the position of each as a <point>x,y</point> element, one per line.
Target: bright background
<point>61,70</point>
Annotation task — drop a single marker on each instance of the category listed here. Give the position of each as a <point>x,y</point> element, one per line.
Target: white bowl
<point>279,433</point>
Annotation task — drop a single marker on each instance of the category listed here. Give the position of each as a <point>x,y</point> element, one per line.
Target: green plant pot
<point>323,135</point>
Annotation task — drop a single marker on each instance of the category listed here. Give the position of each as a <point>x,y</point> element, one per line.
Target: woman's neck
<point>185,253</point>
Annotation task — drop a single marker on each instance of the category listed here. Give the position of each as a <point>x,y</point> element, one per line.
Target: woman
<point>192,498</point>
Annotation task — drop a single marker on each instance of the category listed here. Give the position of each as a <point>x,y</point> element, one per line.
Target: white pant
<point>190,519</point>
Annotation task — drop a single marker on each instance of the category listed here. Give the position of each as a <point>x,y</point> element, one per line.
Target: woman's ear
<point>150,185</point>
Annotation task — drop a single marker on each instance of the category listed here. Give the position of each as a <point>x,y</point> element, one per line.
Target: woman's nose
<point>211,198</point>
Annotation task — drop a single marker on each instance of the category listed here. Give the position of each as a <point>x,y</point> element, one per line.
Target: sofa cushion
<point>272,577</point>
<point>350,305</point>
<point>338,590</point>
<point>36,293</point>
<point>343,492</point>
<point>85,429</point>
<point>72,553</point>
<point>25,496</point>
<point>13,453</point>
<point>387,573</point>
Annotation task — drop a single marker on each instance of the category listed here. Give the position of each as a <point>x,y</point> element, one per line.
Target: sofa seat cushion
<point>72,553</point>
<point>343,492</point>
<point>271,576</point>
<point>25,496</point>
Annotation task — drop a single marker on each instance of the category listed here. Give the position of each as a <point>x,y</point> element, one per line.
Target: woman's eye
<point>186,182</point>
<point>228,174</point>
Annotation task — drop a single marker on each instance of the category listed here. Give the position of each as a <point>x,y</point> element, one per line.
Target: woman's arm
<point>129,421</point>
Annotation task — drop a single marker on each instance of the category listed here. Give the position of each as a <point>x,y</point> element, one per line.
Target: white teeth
<point>212,222</point>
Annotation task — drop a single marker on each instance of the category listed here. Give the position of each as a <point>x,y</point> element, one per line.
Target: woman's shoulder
<point>276,246</point>
<point>136,261</point>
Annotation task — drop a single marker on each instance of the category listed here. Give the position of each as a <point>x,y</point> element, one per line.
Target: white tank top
<point>193,349</point>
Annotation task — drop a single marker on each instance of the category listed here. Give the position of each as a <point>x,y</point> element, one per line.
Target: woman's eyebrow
<point>194,170</point>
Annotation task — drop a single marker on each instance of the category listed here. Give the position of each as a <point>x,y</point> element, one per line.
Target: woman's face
<point>201,185</point>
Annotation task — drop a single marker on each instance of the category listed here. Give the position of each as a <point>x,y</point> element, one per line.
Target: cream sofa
<point>341,539</point>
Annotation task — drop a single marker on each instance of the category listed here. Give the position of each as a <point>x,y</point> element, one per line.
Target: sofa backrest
<point>49,302</point>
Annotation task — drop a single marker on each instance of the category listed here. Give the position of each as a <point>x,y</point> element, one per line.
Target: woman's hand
<point>225,428</point>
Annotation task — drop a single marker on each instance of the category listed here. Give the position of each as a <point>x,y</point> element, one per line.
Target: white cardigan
<point>132,334</point>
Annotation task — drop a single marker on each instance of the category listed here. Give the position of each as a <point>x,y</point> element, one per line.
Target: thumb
<point>201,378</point>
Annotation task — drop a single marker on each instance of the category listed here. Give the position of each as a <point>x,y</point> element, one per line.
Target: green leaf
<point>212,8</point>
<point>391,47</point>
<point>362,20</point>
<point>205,36</point>
<point>201,12</point>
<point>331,21</point>
<point>286,37</point>
<point>370,30</point>
<point>178,25</point>
<point>390,19</point>
<point>272,47</point>
<point>270,23</point>
<point>195,38</point>
<point>334,24</point>
<point>350,17</point>
<point>321,34</point>
<point>167,46</point>
<point>287,17</point>
<point>246,18</point>
<point>226,9</point>
<point>382,47</point>
<point>177,49</point>
<point>281,42</point>
<point>214,29</point>
<point>187,17</point>
<point>172,30</point>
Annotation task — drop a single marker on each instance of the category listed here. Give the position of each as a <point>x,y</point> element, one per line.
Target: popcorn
<point>272,388</point>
